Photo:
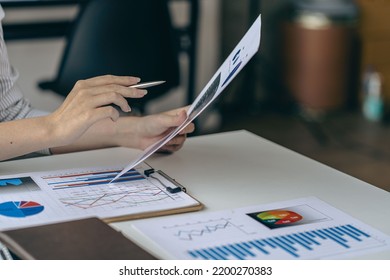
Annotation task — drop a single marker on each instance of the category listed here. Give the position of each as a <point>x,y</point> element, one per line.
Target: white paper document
<point>46,197</point>
<point>306,228</point>
<point>238,58</point>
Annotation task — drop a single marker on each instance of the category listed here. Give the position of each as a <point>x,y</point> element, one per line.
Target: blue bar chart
<point>294,245</point>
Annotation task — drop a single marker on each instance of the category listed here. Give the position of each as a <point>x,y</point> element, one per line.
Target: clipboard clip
<point>178,187</point>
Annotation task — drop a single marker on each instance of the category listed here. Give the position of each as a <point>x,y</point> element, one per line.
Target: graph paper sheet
<point>306,228</point>
<point>41,198</point>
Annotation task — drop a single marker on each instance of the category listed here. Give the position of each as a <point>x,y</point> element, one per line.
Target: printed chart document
<point>46,197</point>
<point>306,228</point>
<point>239,57</point>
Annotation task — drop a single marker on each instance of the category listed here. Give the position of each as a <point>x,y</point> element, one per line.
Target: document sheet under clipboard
<point>41,198</point>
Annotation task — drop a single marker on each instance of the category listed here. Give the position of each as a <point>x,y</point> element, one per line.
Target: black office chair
<point>126,37</point>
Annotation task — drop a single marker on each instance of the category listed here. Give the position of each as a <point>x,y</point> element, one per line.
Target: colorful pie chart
<point>20,209</point>
<point>279,217</point>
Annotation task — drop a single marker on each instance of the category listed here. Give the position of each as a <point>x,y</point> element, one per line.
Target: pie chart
<point>20,209</point>
<point>279,217</point>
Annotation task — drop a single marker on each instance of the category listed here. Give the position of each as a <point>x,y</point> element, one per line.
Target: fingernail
<point>142,92</point>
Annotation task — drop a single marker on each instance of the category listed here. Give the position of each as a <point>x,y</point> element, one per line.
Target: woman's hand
<point>141,132</point>
<point>88,103</point>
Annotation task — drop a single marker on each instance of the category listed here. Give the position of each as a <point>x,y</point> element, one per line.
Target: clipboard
<point>43,198</point>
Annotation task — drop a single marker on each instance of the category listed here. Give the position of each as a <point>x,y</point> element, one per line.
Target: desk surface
<point>260,172</point>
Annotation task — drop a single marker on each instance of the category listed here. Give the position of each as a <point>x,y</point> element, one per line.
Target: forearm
<point>103,134</point>
<point>24,136</point>
<point>51,131</point>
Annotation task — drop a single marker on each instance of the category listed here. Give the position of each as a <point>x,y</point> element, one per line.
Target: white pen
<point>147,84</point>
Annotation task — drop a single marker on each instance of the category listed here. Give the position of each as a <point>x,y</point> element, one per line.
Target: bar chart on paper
<point>299,229</point>
<point>319,243</point>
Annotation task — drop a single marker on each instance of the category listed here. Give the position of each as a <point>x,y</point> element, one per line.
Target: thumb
<point>172,120</point>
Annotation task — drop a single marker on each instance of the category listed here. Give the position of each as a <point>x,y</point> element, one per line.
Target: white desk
<point>237,169</point>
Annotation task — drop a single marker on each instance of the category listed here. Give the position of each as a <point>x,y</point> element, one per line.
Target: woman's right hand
<point>89,102</point>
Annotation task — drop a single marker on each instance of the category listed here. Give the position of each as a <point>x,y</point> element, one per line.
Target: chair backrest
<point>121,37</point>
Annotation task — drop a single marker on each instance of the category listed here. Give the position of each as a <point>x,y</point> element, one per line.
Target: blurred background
<point>319,84</point>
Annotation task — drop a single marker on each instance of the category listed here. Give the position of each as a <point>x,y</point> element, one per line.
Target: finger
<point>177,140</point>
<point>173,120</point>
<point>106,80</point>
<point>110,98</point>
<point>168,149</point>
<point>187,129</point>
<point>122,90</point>
<point>104,113</point>
<point>174,144</point>
<point>164,150</point>
<point>176,111</point>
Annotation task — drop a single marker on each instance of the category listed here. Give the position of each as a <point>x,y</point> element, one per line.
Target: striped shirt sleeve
<point>13,104</point>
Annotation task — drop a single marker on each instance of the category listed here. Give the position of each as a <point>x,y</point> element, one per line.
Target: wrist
<point>126,132</point>
<point>55,131</point>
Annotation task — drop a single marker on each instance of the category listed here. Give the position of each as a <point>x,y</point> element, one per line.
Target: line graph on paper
<point>117,197</point>
<point>199,229</point>
<point>91,190</point>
